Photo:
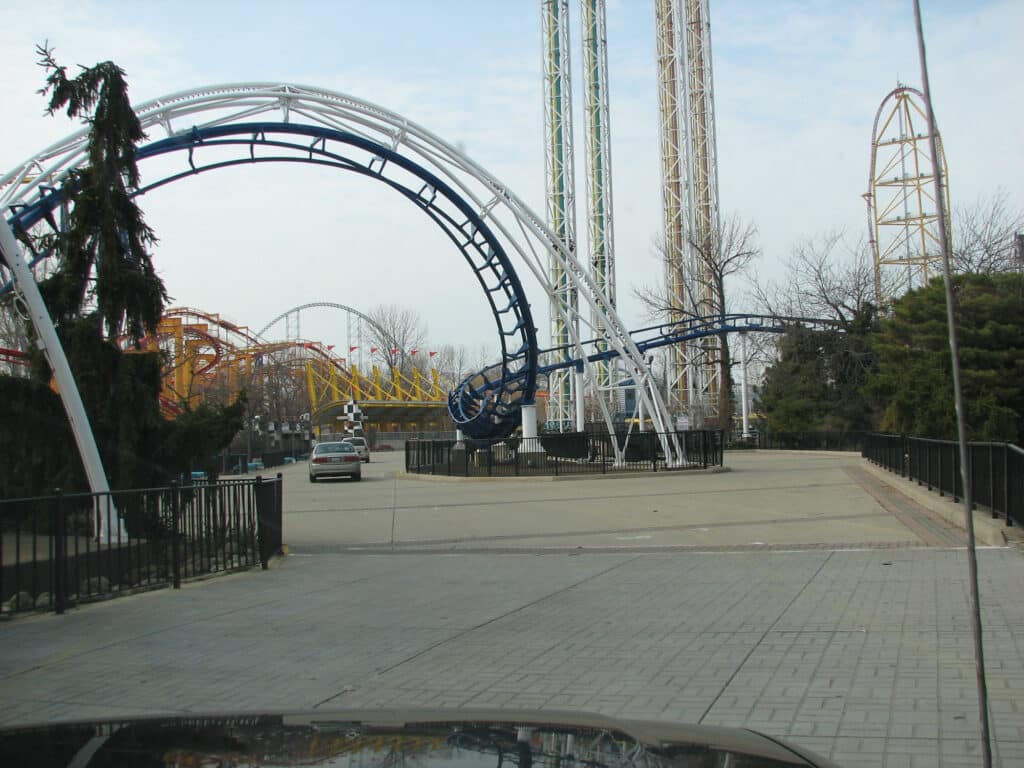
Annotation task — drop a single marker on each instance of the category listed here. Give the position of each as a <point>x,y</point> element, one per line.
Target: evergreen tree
<point>105,248</point>
<point>103,290</point>
<point>914,379</point>
<point>818,382</point>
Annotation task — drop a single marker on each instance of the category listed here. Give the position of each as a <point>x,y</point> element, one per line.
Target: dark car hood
<point>396,739</point>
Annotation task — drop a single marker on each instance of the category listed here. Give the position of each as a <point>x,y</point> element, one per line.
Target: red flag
<point>330,347</point>
<point>394,351</point>
<point>372,350</point>
<point>352,349</point>
<point>413,351</point>
<point>433,353</point>
<point>308,345</point>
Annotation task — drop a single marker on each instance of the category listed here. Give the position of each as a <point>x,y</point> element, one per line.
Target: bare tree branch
<point>984,235</point>
<point>706,287</point>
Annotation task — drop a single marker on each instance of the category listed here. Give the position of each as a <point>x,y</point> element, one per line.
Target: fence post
<point>175,544</point>
<point>60,566</point>
<point>992,481</point>
<point>279,512</point>
<point>1006,482</point>
<point>955,454</point>
<point>261,528</point>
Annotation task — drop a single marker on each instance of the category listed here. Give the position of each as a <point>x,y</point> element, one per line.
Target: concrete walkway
<point>766,498</point>
<point>860,653</point>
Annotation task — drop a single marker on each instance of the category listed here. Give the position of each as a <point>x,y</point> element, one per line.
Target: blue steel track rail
<point>663,335</point>
<point>484,405</point>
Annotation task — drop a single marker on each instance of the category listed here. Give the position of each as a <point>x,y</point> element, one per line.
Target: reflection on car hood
<point>397,739</point>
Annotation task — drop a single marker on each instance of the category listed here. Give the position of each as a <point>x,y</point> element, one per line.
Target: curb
<point>988,531</point>
<point>612,475</point>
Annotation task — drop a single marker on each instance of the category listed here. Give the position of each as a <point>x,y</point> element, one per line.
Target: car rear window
<point>356,441</point>
<point>333,448</point>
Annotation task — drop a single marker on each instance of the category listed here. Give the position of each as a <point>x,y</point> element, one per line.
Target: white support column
<point>640,404</point>
<point>581,415</point>
<point>529,413</point>
<point>743,385</point>
<point>51,347</point>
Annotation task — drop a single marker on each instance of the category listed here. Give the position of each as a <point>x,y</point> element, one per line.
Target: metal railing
<point>811,441</point>
<point>59,550</point>
<point>574,453</point>
<point>996,469</point>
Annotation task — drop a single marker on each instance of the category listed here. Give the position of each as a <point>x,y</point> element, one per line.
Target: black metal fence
<point>996,469</point>
<point>812,441</point>
<point>571,453</point>
<point>56,551</point>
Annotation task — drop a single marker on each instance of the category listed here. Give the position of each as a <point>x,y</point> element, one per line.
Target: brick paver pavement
<point>863,655</point>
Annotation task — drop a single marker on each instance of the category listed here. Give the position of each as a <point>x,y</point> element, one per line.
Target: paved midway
<point>858,647</point>
<point>767,498</point>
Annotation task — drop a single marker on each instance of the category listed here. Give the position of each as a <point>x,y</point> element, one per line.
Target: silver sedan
<point>336,459</point>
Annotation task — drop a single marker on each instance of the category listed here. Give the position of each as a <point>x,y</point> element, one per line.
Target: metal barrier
<point>59,550</point>
<point>996,469</point>
<point>811,441</point>
<point>571,453</point>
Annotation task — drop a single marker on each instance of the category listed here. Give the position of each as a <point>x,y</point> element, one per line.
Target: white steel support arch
<point>293,326</point>
<point>528,240</point>
<point>598,149</point>
<point>560,188</point>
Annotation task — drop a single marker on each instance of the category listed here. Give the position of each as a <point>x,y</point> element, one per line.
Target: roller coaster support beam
<point>560,181</point>
<point>529,413</point>
<point>50,346</point>
<point>581,414</point>
<point>743,383</point>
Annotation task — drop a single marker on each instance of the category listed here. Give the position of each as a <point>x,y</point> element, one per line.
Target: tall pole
<point>561,198</point>
<point>958,399</point>
<point>674,198</point>
<point>597,153</point>
<point>744,396</point>
<point>702,163</point>
<point>689,193</point>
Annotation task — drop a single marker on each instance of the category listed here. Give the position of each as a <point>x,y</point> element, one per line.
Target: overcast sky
<point>797,85</point>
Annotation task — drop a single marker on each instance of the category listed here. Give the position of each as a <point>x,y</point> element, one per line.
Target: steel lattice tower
<point>561,197</point>
<point>689,194</point>
<point>903,221</point>
<point>599,164</point>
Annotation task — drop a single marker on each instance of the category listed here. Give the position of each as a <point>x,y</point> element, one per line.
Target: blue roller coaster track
<point>666,334</point>
<point>485,405</point>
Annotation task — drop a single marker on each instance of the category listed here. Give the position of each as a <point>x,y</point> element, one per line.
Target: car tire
<point>366,460</point>
<point>358,476</point>
<point>312,479</point>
